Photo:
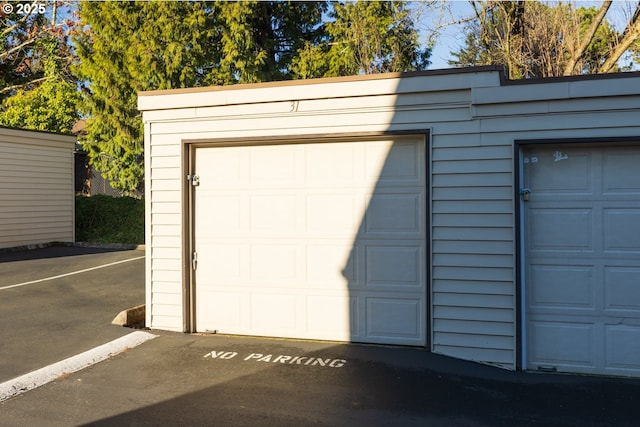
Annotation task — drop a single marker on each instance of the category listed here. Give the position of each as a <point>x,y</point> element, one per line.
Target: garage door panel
<point>273,313</point>
<point>273,212</point>
<point>332,163</point>
<point>560,229</point>
<point>393,213</point>
<point>567,286</point>
<point>390,318</point>
<point>223,213</point>
<point>621,174</point>
<point>334,213</point>
<point>621,231</point>
<point>226,170</point>
<point>622,289</point>
<point>332,325</point>
<point>551,167</point>
<point>562,344</point>
<point>225,261</point>
<point>276,263</point>
<point>272,164</point>
<point>221,310</point>
<point>391,266</point>
<point>622,350</point>
<point>392,163</point>
<point>332,265</point>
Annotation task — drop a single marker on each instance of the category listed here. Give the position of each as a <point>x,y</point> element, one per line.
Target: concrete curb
<point>49,373</point>
<point>133,317</point>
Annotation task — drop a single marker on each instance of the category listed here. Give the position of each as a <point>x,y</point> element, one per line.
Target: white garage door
<point>582,242</point>
<point>315,240</point>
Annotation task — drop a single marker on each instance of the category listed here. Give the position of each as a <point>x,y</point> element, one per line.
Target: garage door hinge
<point>194,260</point>
<point>195,180</point>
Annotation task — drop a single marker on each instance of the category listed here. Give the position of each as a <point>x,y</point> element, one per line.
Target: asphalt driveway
<point>213,380</point>
<point>56,302</point>
<point>188,380</point>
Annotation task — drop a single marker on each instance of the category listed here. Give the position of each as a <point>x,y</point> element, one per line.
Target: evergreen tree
<point>126,47</point>
<point>259,39</point>
<point>364,38</point>
<point>52,106</point>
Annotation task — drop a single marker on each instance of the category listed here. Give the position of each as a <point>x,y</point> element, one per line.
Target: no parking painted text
<point>281,358</point>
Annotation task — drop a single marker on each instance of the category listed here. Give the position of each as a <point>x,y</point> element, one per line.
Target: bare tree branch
<point>20,86</point>
<point>19,22</point>
<point>629,36</point>
<point>588,38</point>
<point>5,54</point>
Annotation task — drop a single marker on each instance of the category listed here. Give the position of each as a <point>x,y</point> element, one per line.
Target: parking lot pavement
<point>189,380</point>
<point>56,302</point>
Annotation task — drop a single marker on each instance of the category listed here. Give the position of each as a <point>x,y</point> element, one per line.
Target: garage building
<point>36,188</point>
<point>485,219</point>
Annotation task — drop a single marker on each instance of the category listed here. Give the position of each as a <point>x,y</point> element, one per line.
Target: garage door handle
<point>194,260</point>
<point>524,192</point>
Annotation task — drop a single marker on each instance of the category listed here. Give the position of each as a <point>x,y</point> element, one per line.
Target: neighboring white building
<point>36,188</point>
<point>489,220</point>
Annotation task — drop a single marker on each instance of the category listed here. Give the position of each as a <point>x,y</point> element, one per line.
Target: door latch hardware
<point>195,180</point>
<point>524,192</point>
<point>194,260</point>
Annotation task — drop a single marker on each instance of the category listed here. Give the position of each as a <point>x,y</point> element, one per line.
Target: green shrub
<point>106,219</point>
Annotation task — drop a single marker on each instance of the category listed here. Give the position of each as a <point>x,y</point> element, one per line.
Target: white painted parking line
<point>49,373</point>
<point>69,274</point>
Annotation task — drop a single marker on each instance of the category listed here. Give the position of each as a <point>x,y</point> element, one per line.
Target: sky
<point>451,39</point>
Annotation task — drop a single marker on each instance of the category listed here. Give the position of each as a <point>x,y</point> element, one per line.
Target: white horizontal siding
<point>36,188</point>
<point>562,121</point>
<point>489,166</point>
<point>473,260</point>
<point>558,106</point>
<point>486,314</point>
<point>487,274</point>
<point>477,220</point>
<point>493,179</point>
<point>164,232</point>
<point>472,287</point>
<point>472,257</point>
<point>472,207</point>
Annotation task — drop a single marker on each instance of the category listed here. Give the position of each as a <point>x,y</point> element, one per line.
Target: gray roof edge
<point>570,79</point>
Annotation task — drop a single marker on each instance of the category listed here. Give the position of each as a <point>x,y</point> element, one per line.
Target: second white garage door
<point>318,240</point>
<point>583,259</point>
